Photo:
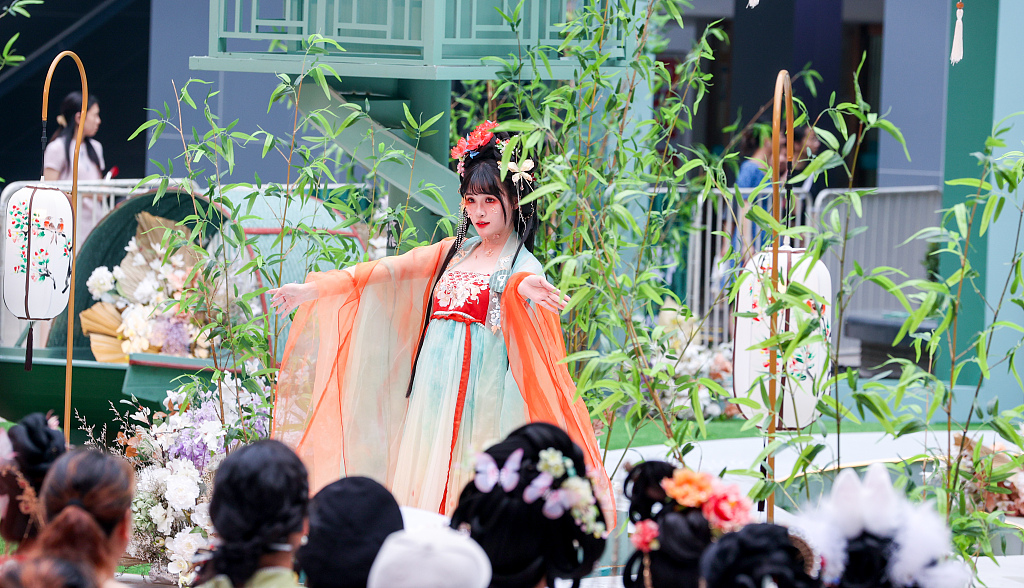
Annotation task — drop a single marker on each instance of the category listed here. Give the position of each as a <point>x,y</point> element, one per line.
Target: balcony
<point>405,39</point>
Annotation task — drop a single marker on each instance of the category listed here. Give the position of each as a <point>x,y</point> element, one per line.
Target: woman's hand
<point>538,290</point>
<point>288,297</point>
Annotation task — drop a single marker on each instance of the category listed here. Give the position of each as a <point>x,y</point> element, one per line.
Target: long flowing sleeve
<point>341,392</point>
<point>535,349</point>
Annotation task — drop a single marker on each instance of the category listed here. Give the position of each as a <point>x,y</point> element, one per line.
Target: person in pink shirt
<point>60,152</point>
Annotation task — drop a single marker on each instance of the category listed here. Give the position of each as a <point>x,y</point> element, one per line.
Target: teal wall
<point>969,117</point>
<point>1008,99</point>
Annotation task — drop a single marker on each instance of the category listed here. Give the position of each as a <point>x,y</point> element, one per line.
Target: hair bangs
<point>483,178</point>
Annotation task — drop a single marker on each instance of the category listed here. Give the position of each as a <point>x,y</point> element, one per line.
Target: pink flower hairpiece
<point>645,536</point>
<point>472,143</point>
<point>723,505</point>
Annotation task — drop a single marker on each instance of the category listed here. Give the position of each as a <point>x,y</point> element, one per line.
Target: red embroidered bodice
<point>462,296</point>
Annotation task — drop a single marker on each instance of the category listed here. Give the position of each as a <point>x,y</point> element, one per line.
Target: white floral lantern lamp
<point>38,250</point>
<point>751,361</point>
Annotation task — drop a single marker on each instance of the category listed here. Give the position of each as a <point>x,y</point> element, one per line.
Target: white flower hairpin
<point>521,172</point>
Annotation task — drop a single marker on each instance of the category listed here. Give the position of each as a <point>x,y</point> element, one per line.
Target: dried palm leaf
<point>107,349</point>
<point>101,318</point>
<point>133,276</point>
<point>150,236</point>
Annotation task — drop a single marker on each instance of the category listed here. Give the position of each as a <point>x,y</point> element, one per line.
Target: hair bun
<point>37,446</point>
<point>755,552</point>
<point>643,488</point>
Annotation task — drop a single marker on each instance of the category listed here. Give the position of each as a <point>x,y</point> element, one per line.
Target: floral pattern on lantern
<point>751,360</point>
<point>40,248</point>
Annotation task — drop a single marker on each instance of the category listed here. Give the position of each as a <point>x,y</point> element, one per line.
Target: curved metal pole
<point>74,220</point>
<point>783,88</point>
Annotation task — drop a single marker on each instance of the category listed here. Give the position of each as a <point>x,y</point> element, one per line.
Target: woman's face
<point>92,120</point>
<point>485,212</point>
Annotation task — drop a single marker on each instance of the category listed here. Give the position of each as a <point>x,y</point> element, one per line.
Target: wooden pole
<point>783,86</point>
<point>74,220</point>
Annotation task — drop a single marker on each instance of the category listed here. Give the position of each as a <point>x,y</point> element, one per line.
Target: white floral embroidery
<point>457,288</point>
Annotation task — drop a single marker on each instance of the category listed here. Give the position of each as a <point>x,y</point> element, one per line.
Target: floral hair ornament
<point>723,505</point>
<point>488,476</point>
<point>574,495</point>
<point>521,171</point>
<point>470,144</point>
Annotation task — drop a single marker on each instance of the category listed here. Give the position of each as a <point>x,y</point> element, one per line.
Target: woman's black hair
<point>71,106</point>
<point>867,562</point>
<point>525,546</point>
<point>682,535</point>
<point>755,553</point>
<point>643,488</point>
<point>481,175</point>
<point>36,446</point>
<point>260,497</point>
<point>45,572</point>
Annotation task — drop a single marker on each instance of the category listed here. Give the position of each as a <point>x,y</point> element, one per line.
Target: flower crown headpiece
<point>470,145</point>
<point>575,493</point>
<point>723,505</point>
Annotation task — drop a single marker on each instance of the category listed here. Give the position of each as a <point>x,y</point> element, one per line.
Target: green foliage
<point>241,329</point>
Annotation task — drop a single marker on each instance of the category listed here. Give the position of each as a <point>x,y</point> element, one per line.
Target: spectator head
<point>756,555</point>
<point>46,573</point>
<point>86,504</point>
<point>431,557</point>
<point>536,517</point>
<point>682,536</point>
<point>260,496</point>
<point>348,522</point>
<point>33,446</point>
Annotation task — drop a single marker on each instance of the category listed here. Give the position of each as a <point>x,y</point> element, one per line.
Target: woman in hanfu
<point>404,368</point>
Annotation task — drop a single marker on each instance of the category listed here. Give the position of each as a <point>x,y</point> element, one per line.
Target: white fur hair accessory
<point>919,542</point>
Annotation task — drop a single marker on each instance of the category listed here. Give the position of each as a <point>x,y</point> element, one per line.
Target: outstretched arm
<point>289,296</point>
<point>539,291</point>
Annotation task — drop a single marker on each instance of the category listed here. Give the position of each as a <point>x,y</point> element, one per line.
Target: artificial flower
<point>726,509</point>
<point>521,172</point>
<point>688,488</point>
<point>182,492</point>
<point>100,282</point>
<point>645,536</point>
<point>551,461</point>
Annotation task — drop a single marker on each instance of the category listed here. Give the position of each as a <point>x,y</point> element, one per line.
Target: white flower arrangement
<point>176,453</point>
<point>141,291</point>
<point>682,354</point>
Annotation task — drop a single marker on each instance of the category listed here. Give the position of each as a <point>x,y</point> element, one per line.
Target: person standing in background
<point>60,153</point>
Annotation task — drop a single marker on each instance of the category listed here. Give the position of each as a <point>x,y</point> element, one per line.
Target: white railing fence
<point>891,215</point>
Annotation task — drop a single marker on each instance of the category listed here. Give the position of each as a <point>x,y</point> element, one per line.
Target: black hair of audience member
<point>260,498</point>
<point>868,562</point>
<point>86,503</point>
<point>523,545</point>
<point>36,447</point>
<point>748,557</point>
<point>643,488</point>
<point>683,535</point>
<point>45,573</point>
<point>348,522</point>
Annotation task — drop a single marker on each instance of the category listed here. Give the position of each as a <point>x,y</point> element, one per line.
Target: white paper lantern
<point>751,362</point>
<point>38,250</point>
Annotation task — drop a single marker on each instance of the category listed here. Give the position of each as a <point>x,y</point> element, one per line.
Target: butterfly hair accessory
<point>488,475</point>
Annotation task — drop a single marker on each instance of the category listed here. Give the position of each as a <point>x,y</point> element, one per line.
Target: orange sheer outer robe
<point>341,396</point>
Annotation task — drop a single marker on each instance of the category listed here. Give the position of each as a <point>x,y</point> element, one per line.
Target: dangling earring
<point>460,234</point>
